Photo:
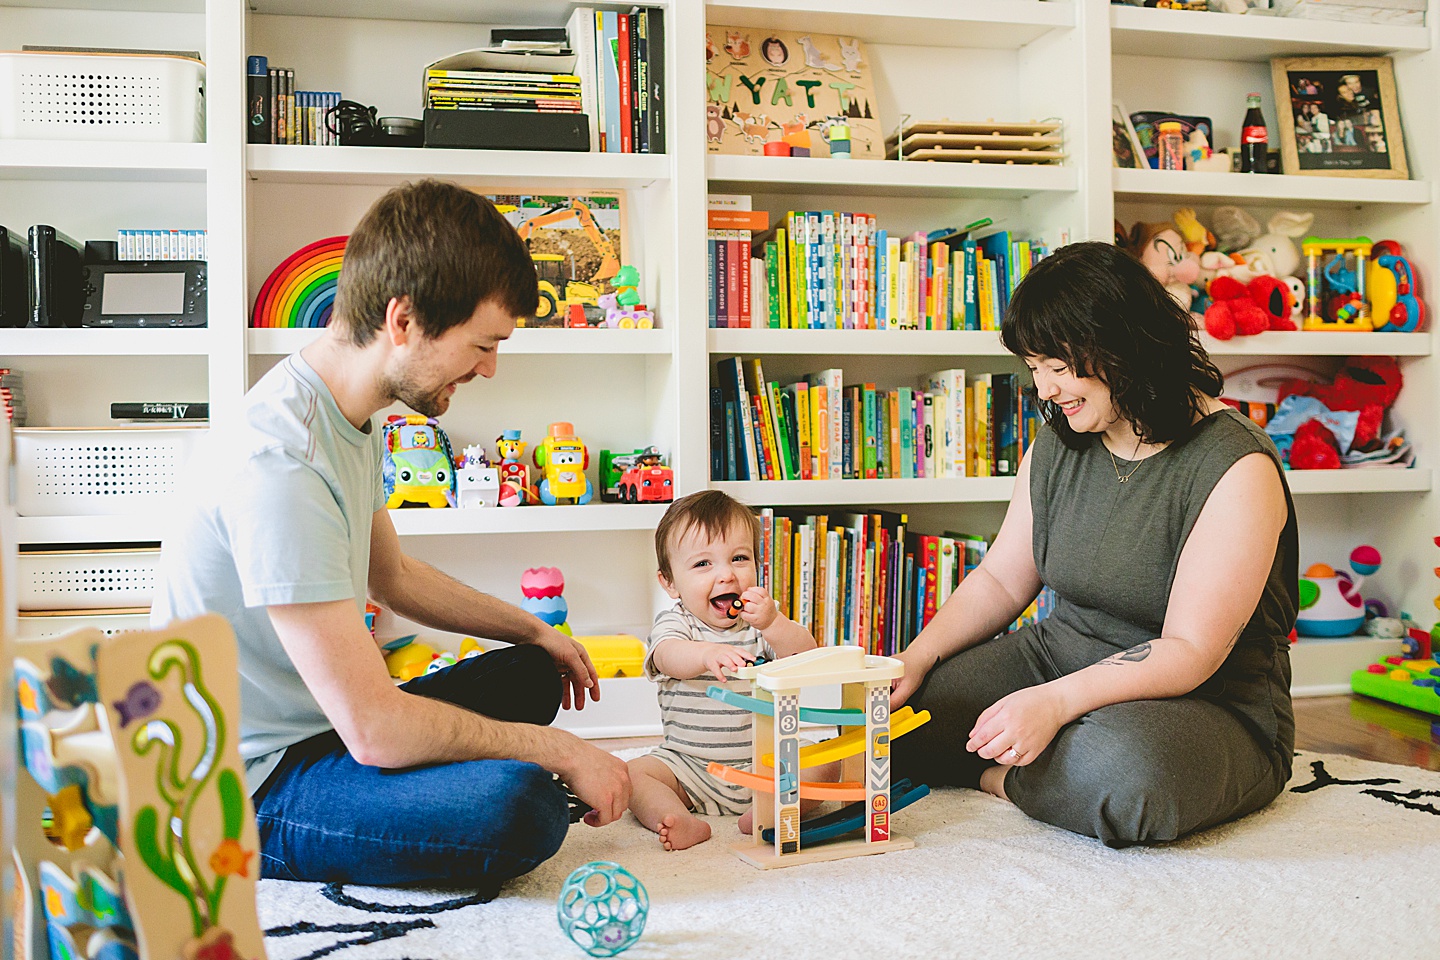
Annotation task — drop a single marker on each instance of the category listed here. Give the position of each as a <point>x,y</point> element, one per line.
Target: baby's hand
<point>718,658</point>
<point>760,609</point>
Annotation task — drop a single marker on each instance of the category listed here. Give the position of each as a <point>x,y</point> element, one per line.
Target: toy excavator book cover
<point>577,244</point>
<point>775,86</point>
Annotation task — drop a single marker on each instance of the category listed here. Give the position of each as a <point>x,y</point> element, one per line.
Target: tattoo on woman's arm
<point>1134,655</point>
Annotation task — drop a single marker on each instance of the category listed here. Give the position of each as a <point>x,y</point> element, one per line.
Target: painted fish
<point>68,685</point>
<point>229,859</point>
<point>141,700</point>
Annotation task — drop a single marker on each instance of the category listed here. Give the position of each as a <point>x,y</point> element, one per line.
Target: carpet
<point>1345,863</point>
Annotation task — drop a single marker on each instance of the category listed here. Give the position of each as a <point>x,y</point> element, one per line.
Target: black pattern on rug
<point>1402,799</point>
<point>335,893</point>
<point>376,931</point>
<point>1324,779</point>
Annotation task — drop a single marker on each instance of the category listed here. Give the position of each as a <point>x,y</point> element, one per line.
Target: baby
<point>705,546</point>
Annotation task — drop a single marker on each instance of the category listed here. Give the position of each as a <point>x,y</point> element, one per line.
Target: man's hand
<point>718,658</point>
<point>600,779</point>
<point>577,673</point>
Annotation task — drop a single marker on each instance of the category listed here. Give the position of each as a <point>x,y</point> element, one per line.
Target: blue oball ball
<point>602,908</point>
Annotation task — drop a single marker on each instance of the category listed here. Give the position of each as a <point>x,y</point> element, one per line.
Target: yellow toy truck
<point>563,458</point>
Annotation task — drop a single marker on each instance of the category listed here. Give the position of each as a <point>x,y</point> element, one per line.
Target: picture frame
<point>1339,117</point>
<point>1126,150</point>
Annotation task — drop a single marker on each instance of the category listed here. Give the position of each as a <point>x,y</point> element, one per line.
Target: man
<point>447,779</point>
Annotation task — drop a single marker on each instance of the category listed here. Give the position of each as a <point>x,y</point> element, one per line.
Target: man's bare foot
<point>681,830</point>
<point>746,819</point>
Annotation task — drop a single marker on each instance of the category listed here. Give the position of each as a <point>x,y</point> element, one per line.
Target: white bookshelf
<point>966,59</point>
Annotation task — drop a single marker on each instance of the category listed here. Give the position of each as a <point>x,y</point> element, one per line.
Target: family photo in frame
<point>1339,117</point>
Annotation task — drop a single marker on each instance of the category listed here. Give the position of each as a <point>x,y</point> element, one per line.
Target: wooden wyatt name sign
<point>773,85</point>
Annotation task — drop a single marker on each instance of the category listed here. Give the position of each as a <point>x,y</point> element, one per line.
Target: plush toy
<point>1368,385</point>
<point>1270,250</point>
<point>1314,448</point>
<point>1197,238</point>
<point>1160,247</point>
<point>1247,309</point>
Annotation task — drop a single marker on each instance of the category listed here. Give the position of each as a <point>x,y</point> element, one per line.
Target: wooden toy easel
<point>130,743</point>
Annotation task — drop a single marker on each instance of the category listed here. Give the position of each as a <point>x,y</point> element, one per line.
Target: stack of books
<point>502,90</point>
<point>278,113</point>
<point>12,396</point>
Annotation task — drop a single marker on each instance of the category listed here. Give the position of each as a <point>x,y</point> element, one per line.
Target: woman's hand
<point>917,665</point>
<point>1017,728</point>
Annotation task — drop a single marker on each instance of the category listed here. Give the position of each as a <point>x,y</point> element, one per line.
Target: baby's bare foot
<point>679,831</point>
<point>747,818</point>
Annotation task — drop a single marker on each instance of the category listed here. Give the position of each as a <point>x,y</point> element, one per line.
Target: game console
<point>14,280</point>
<point>143,293</point>
<point>55,283</point>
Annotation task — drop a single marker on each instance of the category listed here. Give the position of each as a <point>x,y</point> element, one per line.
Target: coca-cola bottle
<point>1254,140</point>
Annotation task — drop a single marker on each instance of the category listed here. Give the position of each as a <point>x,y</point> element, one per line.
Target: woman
<point>1155,699</point>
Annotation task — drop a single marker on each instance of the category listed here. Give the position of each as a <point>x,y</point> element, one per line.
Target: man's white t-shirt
<point>275,511</point>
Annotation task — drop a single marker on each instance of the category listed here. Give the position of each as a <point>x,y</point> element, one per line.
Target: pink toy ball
<point>1365,560</point>
<point>542,582</point>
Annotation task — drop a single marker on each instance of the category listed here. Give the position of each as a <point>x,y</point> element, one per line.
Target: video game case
<point>160,411</point>
<point>257,92</point>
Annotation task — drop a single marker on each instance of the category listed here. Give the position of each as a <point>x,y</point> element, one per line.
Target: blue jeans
<point>324,817</point>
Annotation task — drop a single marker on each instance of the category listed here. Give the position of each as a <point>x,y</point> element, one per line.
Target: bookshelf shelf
<point>137,528</point>
<point>888,178</point>
<point>121,6</point>
<point>933,343</point>
<point>389,166</point>
<point>798,493</point>
<point>1361,480</point>
<point>271,342</point>
<point>86,160</point>
<point>91,342</point>
<point>1141,31</point>
<point>591,518</point>
<point>959,23</point>
<point>1166,185</point>
<point>1315,343</point>
<point>443,11</point>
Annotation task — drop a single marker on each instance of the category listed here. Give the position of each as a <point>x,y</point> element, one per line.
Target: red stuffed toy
<point>1314,448</point>
<point>1247,309</point>
<point>1368,385</point>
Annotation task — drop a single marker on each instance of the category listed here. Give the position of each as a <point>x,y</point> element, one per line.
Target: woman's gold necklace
<point>1116,465</point>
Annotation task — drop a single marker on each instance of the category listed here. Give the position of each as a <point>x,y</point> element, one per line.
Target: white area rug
<point>1346,863</point>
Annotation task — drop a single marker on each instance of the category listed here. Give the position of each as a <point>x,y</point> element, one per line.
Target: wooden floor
<point>1352,725</point>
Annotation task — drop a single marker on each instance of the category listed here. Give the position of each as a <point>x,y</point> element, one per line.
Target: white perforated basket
<point>85,579</point>
<point>101,96</point>
<point>40,624</point>
<point>62,472</point>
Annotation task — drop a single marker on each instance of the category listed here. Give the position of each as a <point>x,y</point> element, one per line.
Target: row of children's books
<point>866,579</point>
<point>160,245</point>
<point>835,270</point>
<point>278,113</point>
<point>819,428</point>
<point>621,65</point>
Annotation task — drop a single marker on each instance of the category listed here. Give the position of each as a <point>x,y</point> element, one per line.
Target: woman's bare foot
<point>679,831</point>
<point>992,781</point>
<point>746,819</point>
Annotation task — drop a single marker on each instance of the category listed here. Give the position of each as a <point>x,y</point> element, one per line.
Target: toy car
<point>646,484</point>
<point>563,457</point>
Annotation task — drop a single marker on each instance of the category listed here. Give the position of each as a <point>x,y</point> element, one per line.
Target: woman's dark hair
<point>1102,313</point>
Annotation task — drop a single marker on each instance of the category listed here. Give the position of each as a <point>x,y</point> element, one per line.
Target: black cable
<point>354,123</point>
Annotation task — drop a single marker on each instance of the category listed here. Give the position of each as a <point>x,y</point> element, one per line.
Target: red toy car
<point>647,484</point>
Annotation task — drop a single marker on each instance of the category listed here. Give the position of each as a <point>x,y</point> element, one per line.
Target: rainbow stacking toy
<point>301,291</point>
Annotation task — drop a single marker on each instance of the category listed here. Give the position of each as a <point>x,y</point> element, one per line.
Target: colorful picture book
<point>573,237</point>
<point>764,85</point>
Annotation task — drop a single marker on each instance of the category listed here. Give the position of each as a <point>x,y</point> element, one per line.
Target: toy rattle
<point>602,908</point>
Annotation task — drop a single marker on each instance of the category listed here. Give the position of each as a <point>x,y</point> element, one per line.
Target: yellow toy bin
<point>615,655</point>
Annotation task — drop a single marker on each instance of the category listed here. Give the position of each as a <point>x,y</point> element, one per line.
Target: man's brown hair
<point>445,248</point>
<point>714,512</point>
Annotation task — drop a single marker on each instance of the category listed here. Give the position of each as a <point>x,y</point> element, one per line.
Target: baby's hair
<point>714,512</point>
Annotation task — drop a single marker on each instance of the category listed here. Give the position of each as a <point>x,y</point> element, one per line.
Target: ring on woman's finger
<point>1013,754</point>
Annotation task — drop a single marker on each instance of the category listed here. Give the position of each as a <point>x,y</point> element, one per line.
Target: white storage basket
<point>64,472</point>
<point>86,579</point>
<point>41,624</point>
<point>101,96</point>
